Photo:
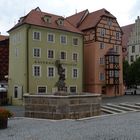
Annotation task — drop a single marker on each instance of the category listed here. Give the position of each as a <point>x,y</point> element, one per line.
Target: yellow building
<point>36,42</point>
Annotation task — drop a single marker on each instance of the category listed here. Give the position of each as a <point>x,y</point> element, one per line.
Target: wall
<point>62,107</point>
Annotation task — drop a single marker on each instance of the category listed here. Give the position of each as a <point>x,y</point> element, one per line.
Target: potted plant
<point>4,115</point>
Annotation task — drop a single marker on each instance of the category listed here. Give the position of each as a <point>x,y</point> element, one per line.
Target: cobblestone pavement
<point>113,127</point>
<point>122,99</point>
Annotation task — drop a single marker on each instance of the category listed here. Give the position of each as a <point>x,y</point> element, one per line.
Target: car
<point>3,87</point>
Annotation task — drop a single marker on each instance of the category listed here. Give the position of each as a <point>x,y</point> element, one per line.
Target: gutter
<point>27,59</point>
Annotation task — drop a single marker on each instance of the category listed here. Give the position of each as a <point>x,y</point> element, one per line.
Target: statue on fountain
<point>61,85</point>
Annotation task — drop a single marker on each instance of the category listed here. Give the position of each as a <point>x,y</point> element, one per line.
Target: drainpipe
<point>27,59</point>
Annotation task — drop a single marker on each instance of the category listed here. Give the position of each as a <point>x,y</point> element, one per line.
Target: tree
<point>131,73</point>
<point>126,68</point>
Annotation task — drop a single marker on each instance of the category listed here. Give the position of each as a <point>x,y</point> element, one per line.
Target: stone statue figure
<point>61,72</point>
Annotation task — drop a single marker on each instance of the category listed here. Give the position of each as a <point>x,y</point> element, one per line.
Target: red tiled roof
<point>126,33</point>
<point>3,37</point>
<point>93,18</point>
<point>77,18</point>
<point>35,17</point>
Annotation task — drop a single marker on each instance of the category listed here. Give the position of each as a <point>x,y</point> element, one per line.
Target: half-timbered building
<point>102,51</point>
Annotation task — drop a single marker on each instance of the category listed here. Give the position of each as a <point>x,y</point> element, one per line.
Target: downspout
<point>27,59</point>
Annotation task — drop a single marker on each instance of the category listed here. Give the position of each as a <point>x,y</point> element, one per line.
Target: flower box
<point>4,115</point>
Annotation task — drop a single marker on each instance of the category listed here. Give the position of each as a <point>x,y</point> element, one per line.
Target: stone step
<point>113,109</point>
<point>138,104</point>
<point>121,107</point>
<point>107,111</point>
<point>134,107</point>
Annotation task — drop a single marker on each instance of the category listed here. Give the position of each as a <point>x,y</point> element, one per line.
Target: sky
<point>126,11</point>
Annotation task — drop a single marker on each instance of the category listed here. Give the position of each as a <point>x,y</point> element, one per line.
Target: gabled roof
<point>35,17</point>
<point>126,33</point>
<point>93,18</point>
<point>86,20</point>
<point>3,37</point>
<point>77,18</point>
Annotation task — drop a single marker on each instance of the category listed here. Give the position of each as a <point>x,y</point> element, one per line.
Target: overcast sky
<point>126,11</point>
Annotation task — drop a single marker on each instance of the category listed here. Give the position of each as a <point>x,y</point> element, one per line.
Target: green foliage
<point>131,73</point>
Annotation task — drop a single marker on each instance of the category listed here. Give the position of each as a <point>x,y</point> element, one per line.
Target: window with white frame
<point>102,60</point>
<point>133,49</point>
<point>75,56</point>
<point>102,45</point>
<point>111,73</point>
<point>75,41</point>
<point>41,89</point>
<point>132,58</point>
<point>101,76</point>
<point>50,54</point>
<point>117,35</point>
<point>116,48</point>
<point>102,32</point>
<point>36,70</point>
<point>36,52</point>
<point>74,73</point>
<point>63,55</point>
<point>73,89</point>
<point>51,72</point>
<point>36,35</point>
<point>51,37</point>
<point>63,39</point>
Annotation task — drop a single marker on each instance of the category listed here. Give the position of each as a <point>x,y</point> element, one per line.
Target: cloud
<point>12,10</point>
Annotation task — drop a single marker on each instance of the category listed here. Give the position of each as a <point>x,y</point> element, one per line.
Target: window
<point>132,58</point>
<point>47,19</point>
<point>111,59</point>
<point>74,73</point>
<point>137,56</point>
<point>109,22</point>
<point>41,89</point>
<point>102,32</point>
<point>116,49</point>
<point>60,21</point>
<point>36,52</point>
<point>51,71</point>
<point>101,76</point>
<point>63,56</point>
<point>51,37</point>
<point>116,73</point>
<point>75,56</point>
<point>16,52</point>
<point>36,36</point>
<point>133,49</point>
<point>36,70</point>
<point>102,45</point>
<point>101,60</point>
<point>50,54</point>
<point>111,73</point>
<point>73,89</point>
<point>75,41</point>
<point>117,35</point>
<point>63,39</point>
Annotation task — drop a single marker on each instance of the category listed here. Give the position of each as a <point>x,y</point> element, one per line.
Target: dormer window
<point>60,21</point>
<point>47,18</point>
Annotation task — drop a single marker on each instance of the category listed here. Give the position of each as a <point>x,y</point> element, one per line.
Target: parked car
<point>3,87</point>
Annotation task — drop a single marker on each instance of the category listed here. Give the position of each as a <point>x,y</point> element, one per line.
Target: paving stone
<point>113,127</point>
